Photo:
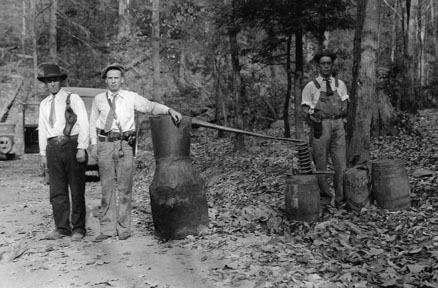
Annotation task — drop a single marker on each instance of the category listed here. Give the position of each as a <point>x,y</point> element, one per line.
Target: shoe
<point>101,237</point>
<point>54,235</point>
<point>124,236</point>
<point>77,236</point>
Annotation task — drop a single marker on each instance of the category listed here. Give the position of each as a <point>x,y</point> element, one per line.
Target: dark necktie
<point>328,87</point>
<point>110,117</point>
<point>52,117</point>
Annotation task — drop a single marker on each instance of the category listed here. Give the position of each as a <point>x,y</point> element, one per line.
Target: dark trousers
<point>65,172</point>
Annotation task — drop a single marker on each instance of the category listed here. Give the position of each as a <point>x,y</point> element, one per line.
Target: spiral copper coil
<point>304,158</point>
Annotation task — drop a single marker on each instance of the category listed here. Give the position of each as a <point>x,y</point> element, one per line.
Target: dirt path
<point>140,261</point>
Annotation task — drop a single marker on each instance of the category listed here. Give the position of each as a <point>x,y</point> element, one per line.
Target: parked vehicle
<point>7,134</point>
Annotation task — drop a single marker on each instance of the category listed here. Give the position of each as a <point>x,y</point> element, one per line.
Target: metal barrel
<point>177,195</point>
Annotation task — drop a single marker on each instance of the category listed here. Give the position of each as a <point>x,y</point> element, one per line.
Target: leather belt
<point>110,136</point>
<point>61,138</point>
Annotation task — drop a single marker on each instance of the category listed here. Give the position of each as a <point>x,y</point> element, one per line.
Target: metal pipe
<point>233,130</point>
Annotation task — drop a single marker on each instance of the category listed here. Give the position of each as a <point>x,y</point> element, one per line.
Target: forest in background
<point>237,63</point>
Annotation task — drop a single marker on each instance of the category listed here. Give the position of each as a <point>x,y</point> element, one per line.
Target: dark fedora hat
<point>324,53</point>
<point>50,70</point>
<point>114,66</point>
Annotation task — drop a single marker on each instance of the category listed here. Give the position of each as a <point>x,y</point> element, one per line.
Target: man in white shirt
<point>325,102</point>
<point>63,155</point>
<point>112,128</point>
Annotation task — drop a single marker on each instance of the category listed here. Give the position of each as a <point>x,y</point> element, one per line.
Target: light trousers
<point>116,175</point>
<point>331,144</point>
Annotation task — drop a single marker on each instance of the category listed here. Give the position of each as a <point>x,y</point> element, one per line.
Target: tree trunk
<point>364,72</point>
<point>156,50</point>
<point>52,32</point>
<point>239,143</point>
<point>298,83</point>
<point>394,32</point>
<point>409,102</point>
<point>23,28</point>
<point>34,44</point>
<point>434,6</point>
<point>124,25</point>
<point>289,87</point>
<point>219,96</point>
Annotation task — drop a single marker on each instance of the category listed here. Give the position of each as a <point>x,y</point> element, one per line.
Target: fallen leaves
<point>370,248</point>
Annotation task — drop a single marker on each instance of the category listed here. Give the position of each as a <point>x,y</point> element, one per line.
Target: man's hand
<point>43,162</point>
<point>80,155</point>
<point>176,116</point>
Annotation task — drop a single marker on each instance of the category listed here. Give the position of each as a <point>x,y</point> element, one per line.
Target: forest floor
<point>250,242</point>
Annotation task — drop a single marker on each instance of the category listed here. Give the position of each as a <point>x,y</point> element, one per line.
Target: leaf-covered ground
<point>252,244</point>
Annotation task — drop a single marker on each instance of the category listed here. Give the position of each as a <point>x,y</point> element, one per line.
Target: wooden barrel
<point>356,188</point>
<point>390,184</point>
<point>178,199</point>
<point>302,199</point>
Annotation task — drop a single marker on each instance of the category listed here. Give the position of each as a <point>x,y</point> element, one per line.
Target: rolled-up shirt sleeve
<point>342,91</point>
<point>310,95</point>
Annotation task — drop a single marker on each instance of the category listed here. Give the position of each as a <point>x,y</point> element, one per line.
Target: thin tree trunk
<point>358,136</point>
<point>298,83</point>
<point>23,27</point>
<point>434,6</point>
<point>34,45</point>
<point>53,32</point>
<point>124,24</point>
<point>409,56</point>
<point>218,96</point>
<point>394,32</point>
<point>289,87</point>
<point>156,50</point>
<point>239,141</point>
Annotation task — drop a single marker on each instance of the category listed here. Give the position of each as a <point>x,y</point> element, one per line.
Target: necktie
<point>329,90</point>
<point>52,117</point>
<point>110,117</point>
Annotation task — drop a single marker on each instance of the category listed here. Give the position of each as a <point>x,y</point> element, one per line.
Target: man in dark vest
<point>325,103</point>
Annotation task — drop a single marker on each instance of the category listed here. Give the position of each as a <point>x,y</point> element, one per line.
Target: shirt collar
<point>320,78</point>
<point>57,95</point>
<point>120,93</point>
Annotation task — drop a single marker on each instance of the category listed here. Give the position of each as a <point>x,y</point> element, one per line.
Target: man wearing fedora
<point>325,103</point>
<point>64,155</point>
<point>112,134</point>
